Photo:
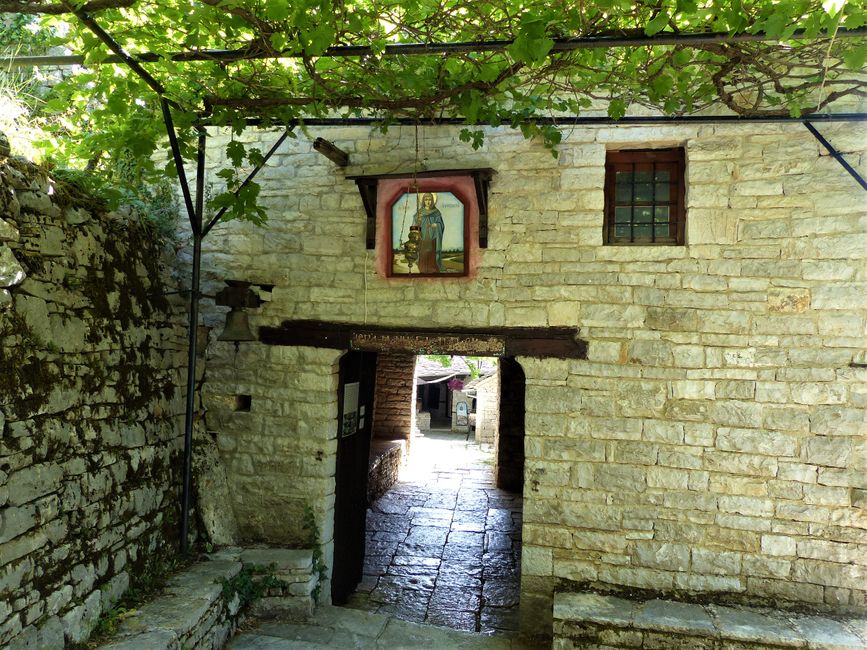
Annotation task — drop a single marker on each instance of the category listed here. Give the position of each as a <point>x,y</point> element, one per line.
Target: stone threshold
<point>588,620</point>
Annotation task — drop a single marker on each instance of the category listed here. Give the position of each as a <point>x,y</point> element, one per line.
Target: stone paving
<point>341,627</point>
<point>442,567</point>
<point>444,544</point>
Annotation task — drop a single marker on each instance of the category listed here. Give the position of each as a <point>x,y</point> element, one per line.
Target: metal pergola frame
<point>194,204</point>
<point>422,49</point>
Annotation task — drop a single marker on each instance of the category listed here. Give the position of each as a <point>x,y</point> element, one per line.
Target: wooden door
<point>354,426</point>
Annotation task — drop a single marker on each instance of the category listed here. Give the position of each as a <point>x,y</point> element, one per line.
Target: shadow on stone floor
<point>444,544</point>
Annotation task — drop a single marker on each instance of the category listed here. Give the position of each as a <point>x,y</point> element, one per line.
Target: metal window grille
<point>644,197</point>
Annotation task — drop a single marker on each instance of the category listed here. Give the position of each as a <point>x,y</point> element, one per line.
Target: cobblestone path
<point>444,544</point>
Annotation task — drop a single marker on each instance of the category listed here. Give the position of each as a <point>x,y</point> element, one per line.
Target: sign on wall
<point>426,224</point>
<point>428,234</point>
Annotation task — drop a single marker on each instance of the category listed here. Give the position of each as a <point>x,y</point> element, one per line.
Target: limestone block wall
<point>488,409</point>
<point>279,449</point>
<point>91,352</point>
<point>713,441</point>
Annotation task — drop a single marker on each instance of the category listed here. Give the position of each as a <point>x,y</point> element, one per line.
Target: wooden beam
<point>331,151</point>
<point>367,189</point>
<point>539,342</point>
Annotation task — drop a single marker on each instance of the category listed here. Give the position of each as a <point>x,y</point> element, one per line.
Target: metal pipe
<point>836,154</point>
<point>427,49</point>
<point>193,343</point>
<point>195,214</point>
<point>565,121</point>
<point>250,176</point>
<point>123,56</point>
<point>179,164</point>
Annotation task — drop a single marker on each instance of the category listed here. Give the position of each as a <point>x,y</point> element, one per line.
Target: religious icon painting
<point>428,234</point>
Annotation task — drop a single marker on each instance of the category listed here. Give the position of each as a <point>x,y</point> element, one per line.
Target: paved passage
<point>444,544</point>
<point>442,564</point>
<point>341,627</point>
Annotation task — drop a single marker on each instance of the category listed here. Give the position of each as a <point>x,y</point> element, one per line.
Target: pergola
<point>258,111</point>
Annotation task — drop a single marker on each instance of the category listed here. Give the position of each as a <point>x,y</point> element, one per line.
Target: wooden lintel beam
<point>540,342</point>
<point>331,151</point>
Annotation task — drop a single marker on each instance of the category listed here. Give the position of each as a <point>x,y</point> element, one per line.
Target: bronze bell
<point>238,296</point>
<point>237,327</point>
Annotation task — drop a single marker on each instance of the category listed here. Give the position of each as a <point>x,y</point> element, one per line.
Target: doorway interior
<point>443,545</point>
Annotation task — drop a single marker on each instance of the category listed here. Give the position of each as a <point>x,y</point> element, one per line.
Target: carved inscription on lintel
<point>429,344</point>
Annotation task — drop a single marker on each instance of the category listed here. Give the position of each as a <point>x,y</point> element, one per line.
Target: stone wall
<point>386,459</point>
<point>713,441</point>
<point>394,408</point>
<point>488,409</point>
<point>91,351</point>
<point>279,449</point>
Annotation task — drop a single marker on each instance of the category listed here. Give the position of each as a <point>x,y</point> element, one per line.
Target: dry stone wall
<point>713,441</point>
<point>91,352</point>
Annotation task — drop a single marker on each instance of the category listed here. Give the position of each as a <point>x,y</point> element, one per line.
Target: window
<point>644,192</point>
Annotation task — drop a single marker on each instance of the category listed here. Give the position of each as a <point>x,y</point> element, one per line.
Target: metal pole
<point>428,49</point>
<point>564,120</point>
<point>193,343</point>
<point>250,177</point>
<point>836,154</point>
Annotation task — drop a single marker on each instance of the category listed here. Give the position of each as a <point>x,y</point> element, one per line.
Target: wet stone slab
<point>455,533</point>
<point>379,522</point>
<point>674,617</point>
<point>760,626</point>
<point>498,541</point>
<point>501,593</point>
<point>427,535</point>
<point>580,617</point>
<point>450,618</point>
<point>499,519</point>
<point>461,599</point>
<point>826,633</point>
<point>466,539</point>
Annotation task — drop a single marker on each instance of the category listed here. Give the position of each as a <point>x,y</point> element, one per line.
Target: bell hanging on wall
<point>237,327</point>
<point>238,297</point>
<point>410,246</point>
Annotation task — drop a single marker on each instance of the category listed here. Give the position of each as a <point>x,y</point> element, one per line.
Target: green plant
<point>251,583</point>
<point>154,205</point>
<point>108,623</point>
<point>150,578</point>
<point>106,114</point>
<point>319,566</point>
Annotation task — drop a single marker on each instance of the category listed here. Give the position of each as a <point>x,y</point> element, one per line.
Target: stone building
<point>711,441</point>
<point>688,419</point>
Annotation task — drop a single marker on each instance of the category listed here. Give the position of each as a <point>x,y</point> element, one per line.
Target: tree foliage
<point>108,114</point>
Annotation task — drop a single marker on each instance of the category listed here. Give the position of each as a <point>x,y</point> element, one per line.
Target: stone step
<point>594,622</point>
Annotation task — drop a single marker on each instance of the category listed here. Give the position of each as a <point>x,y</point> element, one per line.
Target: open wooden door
<point>354,425</point>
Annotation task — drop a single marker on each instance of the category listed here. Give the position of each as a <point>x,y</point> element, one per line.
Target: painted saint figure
<point>430,246</point>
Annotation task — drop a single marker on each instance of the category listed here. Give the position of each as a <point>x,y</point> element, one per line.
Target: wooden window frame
<point>673,159</point>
